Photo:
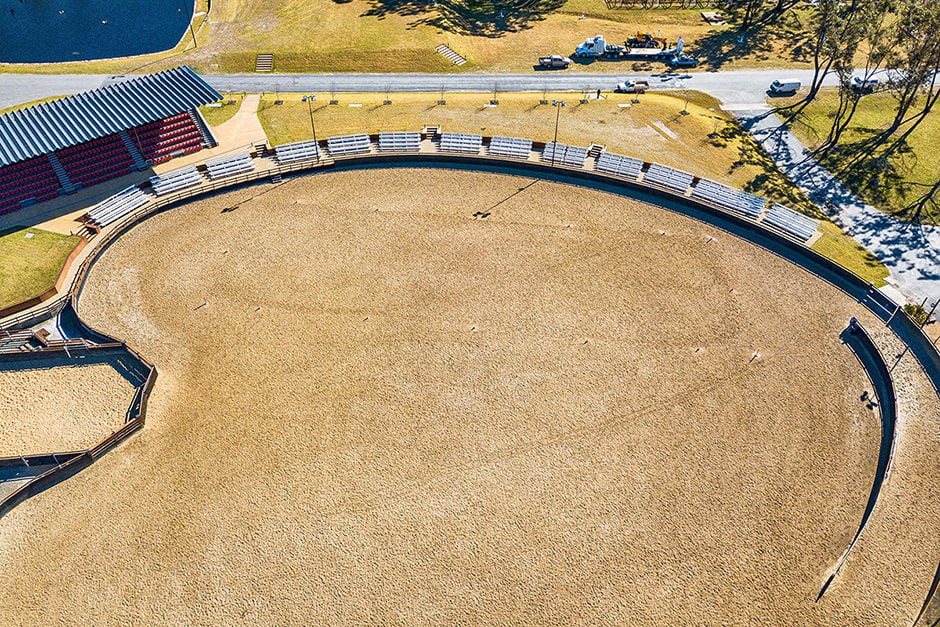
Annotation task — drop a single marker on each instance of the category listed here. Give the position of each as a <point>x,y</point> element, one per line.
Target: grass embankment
<point>30,265</point>
<point>383,36</point>
<point>891,188</point>
<point>655,129</point>
<point>217,115</point>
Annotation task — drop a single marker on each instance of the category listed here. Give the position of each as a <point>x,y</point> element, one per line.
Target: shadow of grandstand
<point>83,199</point>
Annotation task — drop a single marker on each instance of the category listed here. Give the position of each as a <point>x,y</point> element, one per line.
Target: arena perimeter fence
<point>894,316</point>
<point>856,337</point>
<point>69,463</point>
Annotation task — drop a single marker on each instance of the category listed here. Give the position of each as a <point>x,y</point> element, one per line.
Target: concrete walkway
<point>911,252</point>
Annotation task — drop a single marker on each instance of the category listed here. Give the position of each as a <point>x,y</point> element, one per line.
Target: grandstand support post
<point>558,104</point>
<point>313,128</point>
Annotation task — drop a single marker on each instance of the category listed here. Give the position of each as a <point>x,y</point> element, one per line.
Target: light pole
<point>309,99</point>
<point>558,104</point>
<point>191,31</point>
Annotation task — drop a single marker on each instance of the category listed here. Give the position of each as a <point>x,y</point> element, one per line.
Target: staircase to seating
<point>208,138</point>
<point>68,186</point>
<point>139,162</point>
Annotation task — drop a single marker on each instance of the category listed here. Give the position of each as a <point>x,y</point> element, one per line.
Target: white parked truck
<point>596,46</point>
<point>632,86</point>
<point>785,86</point>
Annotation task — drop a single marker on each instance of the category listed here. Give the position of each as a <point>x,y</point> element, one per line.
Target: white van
<point>785,86</point>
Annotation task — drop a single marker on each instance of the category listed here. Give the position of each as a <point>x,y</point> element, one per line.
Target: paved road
<point>745,87</point>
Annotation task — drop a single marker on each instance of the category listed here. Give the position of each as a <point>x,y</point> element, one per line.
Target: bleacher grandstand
<point>61,146</point>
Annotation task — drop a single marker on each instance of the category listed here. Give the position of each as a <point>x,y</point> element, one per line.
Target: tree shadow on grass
<point>786,39</point>
<point>483,18</point>
<point>769,181</point>
<point>879,181</point>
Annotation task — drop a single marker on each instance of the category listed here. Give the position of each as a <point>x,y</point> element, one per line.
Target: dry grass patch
<point>215,116</point>
<point>388,36</point>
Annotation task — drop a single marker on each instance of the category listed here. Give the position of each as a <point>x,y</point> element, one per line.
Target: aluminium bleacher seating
<point>670,178</point>
<point>565,154</point>
<point>29,181</point>
<point>340,145</point>
<point>790,222</point>
<point>619,165</point>
<point>514,147</point>
<point>176,180</point>
<point>297,151</point>
<point>96,161</point>
<point>403,141</point>
<point>164,139</point>
<point>461,142</point>
<point>117,206</point>
<point>230,165</point>
<point>730,198</point>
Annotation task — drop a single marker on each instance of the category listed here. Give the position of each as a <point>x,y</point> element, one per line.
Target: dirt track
<point>60,409</point>
<point>390,411</point>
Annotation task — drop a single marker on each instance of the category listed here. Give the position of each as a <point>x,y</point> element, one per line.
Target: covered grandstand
<point>61,146</point>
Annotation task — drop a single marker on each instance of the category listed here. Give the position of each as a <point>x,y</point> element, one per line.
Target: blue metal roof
<point>42,128</point>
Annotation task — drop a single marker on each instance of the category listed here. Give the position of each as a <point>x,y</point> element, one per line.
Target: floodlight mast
<point>558,104</point>
<point>313,128</point>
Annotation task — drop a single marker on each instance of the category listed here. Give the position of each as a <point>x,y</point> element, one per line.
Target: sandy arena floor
<point>392,412</point>
<point>66,408</point>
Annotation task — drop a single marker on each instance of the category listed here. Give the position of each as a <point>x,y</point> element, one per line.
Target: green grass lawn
<point>655,129</point>
<point>892,190</point>
<point>392,36</point>
<point>30,265</point>
<point>217,115</point>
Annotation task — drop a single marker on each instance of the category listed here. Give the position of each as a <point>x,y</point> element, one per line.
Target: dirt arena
<point>68,407</point>
<point>373,407</point>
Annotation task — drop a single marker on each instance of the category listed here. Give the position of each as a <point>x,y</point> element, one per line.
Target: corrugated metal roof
<point>83,117</point>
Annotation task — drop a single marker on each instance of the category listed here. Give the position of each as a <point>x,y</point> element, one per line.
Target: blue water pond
<point>43,31</point>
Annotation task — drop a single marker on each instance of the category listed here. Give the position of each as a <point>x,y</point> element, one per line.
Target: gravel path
<point>911,252</point>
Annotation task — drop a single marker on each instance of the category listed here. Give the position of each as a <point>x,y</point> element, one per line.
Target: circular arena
<point>414,396</point>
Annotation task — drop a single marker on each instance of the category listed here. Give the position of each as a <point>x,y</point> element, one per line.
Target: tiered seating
<point>230,165</point>
<point>176,180</point>
<point>32,180</point>
<point>117,206</point>
<point>515,147</point>
<point>297,151</point>
<point>668,177</point>
<point>164,139</point>
<point>400,142</point>
<point>96,161</point>
<point>565,154</point>
<point>15,341</point>
<point>791,222</point>
<point>348,144</point>
<point>461,142</point>
<point>729,197</point>
<point>619,165</point>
